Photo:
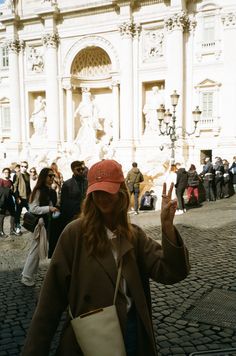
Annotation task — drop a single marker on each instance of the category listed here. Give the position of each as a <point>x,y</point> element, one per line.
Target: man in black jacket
<point>181,184</point>
<point>73,192</point>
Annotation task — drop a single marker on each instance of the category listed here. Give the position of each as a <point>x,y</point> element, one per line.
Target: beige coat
<point>86,282</point>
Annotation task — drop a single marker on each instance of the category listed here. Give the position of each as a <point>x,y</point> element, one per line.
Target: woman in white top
<point>42,202</point>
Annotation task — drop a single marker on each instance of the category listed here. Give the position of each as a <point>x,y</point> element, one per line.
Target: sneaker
<point>27,281</point>
<point>179,212</point>
<point>17,231</point>
<point>2,234</point>
<point>136,213</point>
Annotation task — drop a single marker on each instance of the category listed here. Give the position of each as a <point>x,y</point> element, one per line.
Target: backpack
<point>147,202</point>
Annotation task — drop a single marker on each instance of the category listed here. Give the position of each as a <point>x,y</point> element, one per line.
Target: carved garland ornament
<point>178,21</point>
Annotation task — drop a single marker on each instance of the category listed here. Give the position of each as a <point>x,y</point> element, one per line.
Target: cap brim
<point>109,187</point>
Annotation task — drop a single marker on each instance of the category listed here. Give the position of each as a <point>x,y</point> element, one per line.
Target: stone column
<point>229,77</point>
<point>176,25</point>
<point>116,111</point>
<point>14,80</point>
<point>70,126</point>
<point>50,42</point>
<point>127,30</point>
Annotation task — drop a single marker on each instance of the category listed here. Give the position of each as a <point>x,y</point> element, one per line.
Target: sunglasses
<point>51,175</point>
<point>32,171</point>
<point>81,169</point>
<point>24,166</point>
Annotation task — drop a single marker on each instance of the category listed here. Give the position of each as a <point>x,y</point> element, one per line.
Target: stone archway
<point>91,78</point>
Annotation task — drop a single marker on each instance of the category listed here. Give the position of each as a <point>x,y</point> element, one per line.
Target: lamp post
<point>167,122</point>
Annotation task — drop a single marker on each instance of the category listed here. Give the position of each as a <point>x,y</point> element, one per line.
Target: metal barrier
<point>220,352</point>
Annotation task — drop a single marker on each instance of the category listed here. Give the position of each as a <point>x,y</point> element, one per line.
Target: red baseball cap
<point>105,175</point>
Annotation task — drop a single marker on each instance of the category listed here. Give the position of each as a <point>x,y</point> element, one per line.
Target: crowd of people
<point>216,181</point>
<point>89,212</point>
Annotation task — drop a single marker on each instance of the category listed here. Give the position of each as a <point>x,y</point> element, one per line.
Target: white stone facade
<point>117,51</point>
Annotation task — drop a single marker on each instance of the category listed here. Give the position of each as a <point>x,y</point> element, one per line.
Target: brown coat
<point>86,282</point>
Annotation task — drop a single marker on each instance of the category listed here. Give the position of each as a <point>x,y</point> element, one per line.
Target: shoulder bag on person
<point>30,221</point>
<point>98,332</point>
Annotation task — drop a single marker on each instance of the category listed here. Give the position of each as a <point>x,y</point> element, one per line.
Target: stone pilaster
<point>50,42</point>
<point>14,47</point>
<point>128,30</point>
<point>229,77</point>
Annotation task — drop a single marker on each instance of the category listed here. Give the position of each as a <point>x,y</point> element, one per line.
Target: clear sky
<point>2,1</point>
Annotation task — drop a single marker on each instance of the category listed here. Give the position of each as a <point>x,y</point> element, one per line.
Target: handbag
<point>98,332</point>
<point>30,221</point>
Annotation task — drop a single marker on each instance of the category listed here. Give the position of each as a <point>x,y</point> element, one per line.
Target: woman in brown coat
<point>83,269</point>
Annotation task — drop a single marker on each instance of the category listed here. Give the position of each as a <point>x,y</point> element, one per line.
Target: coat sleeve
<point>165,263</point>
<point>53,299</point>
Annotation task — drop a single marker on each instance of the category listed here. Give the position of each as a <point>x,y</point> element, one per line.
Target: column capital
<point>129,29</point>
<point>50,40</point>
<point>229,20</point>
<point>178,21</point>
<point>15,46</point>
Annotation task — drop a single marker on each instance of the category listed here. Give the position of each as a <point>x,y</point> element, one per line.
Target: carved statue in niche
<point>36,60</point>
<point>150,110</point>
<point>88,114</point>
<point>39,119</point>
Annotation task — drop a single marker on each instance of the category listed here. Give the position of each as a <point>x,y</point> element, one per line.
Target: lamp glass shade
<point>174,98</point>
<point>161,112</point>
<point>167,116</point>
<point>196,114</point>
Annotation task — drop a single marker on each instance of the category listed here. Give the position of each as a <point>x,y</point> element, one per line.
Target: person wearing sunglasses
<point>22,192</point>
<point>33,177</point>
<point>73,192</point>
<point>84,267</point>
<point>42,202</point>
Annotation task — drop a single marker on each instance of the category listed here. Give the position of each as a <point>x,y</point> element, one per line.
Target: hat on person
<point>105,175</point>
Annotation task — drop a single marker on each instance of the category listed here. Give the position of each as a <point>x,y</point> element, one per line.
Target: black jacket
<point>182,179</point>
<point>73,192</point>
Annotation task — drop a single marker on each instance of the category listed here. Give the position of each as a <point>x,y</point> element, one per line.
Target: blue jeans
<point>136,195</point>
<point>131,333</point>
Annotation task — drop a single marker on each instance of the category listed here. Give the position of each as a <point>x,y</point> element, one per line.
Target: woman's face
<point>105,202</point>
<point>49,179</point>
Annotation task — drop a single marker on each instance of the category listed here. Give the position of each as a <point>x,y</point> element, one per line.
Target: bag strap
<point>117,281</point>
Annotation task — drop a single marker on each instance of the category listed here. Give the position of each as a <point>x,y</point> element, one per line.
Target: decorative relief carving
<point>153,45</point>
<point>92,62</point>
<point>15,46</point>
<point>129,29</point>
<point>229,20</point>
<point>35,60</point>
<point>50,40</point>
<point>178,21</point>
<point>49,2</point>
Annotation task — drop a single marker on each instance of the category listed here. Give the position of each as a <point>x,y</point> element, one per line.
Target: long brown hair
<point>45,194</point>
<point>93,226</point>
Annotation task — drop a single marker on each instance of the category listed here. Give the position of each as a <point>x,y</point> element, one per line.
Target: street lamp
<point>167,122</point>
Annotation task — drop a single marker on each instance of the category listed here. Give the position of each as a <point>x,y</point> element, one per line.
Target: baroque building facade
<point>84,81</point>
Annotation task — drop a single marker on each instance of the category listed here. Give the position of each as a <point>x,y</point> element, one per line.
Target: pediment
<point>208,83</point>
<point>4,99</point>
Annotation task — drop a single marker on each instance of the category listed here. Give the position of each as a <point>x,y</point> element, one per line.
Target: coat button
<point>87,298</point>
